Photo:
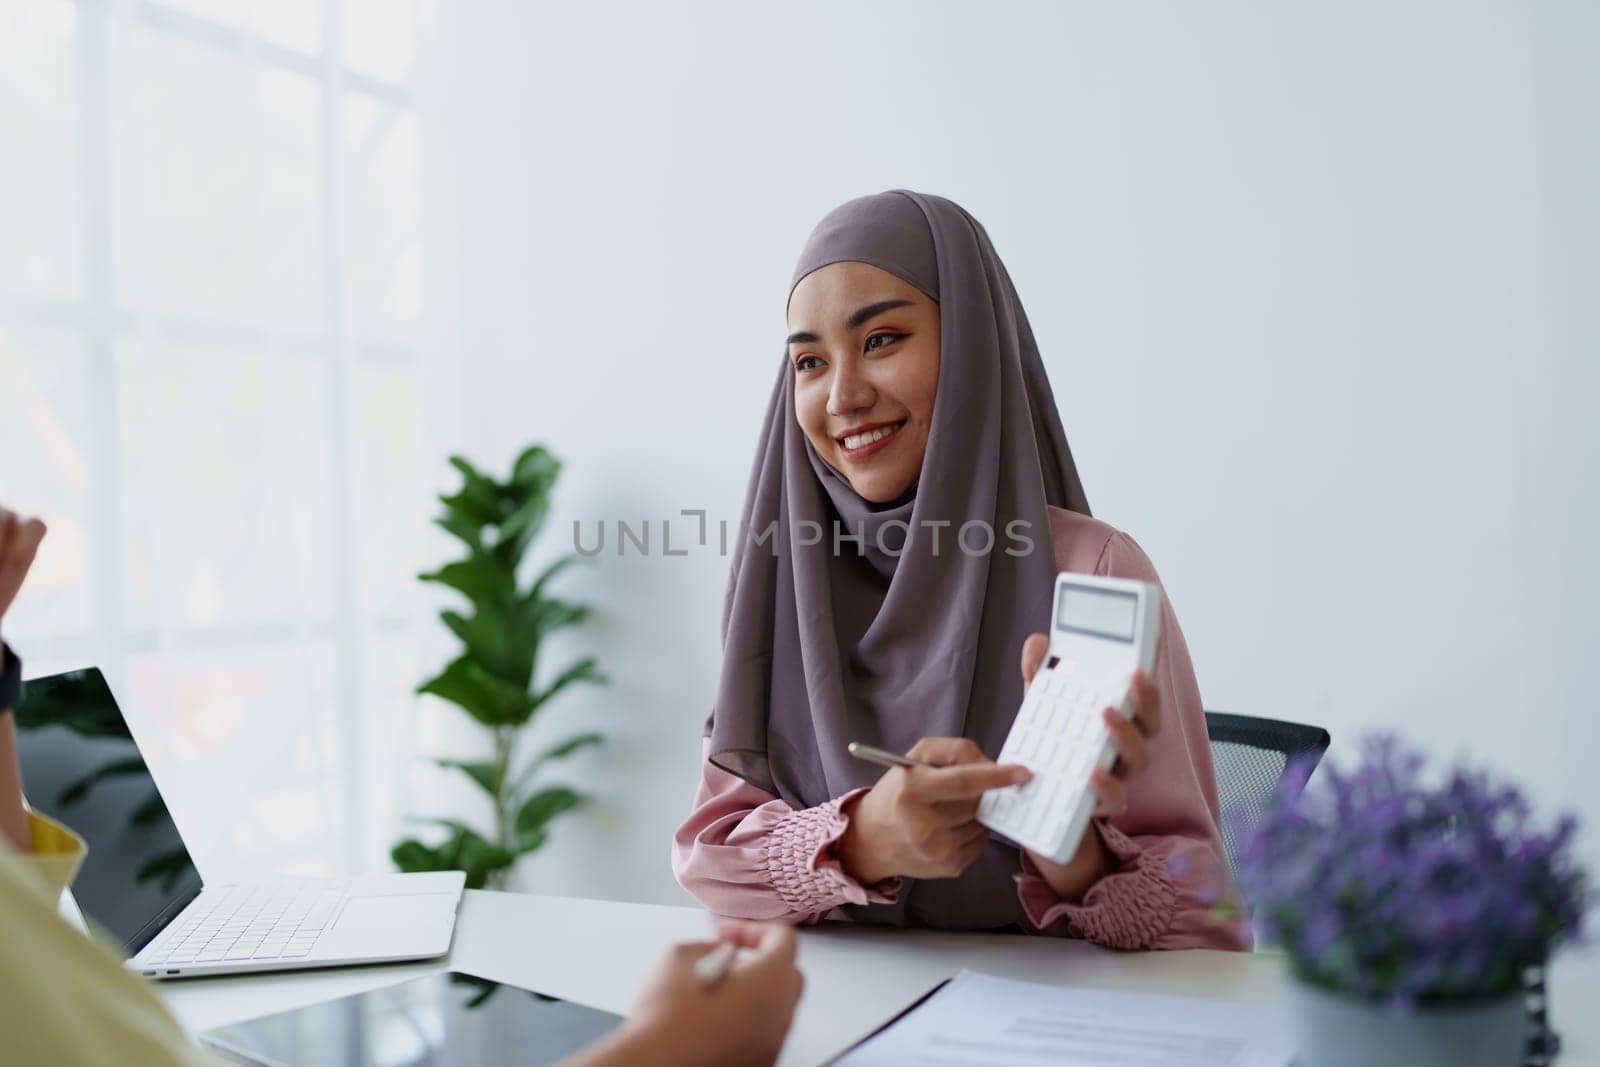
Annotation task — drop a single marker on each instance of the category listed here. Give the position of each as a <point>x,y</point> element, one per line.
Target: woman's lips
<point>861,452</point>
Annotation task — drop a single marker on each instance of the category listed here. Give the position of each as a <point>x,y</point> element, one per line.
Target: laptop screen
<point>80,766</point>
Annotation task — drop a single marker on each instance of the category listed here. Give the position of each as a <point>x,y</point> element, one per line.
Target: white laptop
<point>80,766</point>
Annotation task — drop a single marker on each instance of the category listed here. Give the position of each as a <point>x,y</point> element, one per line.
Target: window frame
<point>102,324</point>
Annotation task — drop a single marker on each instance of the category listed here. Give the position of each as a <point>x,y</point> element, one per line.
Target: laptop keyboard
<point>240,923</point>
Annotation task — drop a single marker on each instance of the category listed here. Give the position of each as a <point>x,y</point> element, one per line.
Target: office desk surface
<point>599,952</point>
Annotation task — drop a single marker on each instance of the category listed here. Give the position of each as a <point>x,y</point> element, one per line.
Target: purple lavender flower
<point>1382,887</point>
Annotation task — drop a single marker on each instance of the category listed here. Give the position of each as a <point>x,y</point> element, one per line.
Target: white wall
<point>1310,283</point>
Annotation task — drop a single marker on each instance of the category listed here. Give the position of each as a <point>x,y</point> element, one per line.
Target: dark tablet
<point>443,1019</point>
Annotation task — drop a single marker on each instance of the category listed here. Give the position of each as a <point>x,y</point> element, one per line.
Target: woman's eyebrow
<point>860,317</point>
<point>872,311</point>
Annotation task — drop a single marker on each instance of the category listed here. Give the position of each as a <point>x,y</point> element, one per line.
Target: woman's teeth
<point>856,440</point>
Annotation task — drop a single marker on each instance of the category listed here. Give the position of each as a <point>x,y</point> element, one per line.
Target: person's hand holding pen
<point>934,789</point>
<point>693,1015</point>
<point>19,542</point>
<point>920,819</point>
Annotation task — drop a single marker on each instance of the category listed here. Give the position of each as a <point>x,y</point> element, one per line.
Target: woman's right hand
<point>921,822</point>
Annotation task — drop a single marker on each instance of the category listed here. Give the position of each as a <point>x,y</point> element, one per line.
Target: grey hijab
<point>889,639</point>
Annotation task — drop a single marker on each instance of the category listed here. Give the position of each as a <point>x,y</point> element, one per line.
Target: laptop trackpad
<point>390,927</point>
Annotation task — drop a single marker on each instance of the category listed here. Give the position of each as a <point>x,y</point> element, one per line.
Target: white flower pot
<point>1338,1031</point>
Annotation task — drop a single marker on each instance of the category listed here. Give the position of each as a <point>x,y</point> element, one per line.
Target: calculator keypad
<point>1060,736</point>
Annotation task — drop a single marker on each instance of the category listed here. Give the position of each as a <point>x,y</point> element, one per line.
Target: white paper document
<point>998,1022</point>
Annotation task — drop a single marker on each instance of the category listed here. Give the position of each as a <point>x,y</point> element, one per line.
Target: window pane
<point>39,187</point>
<point>391,507</point>
<point>294,24</point>
<point>227,506</point>
<point>259,727</point>
<point>217,206</point>
<point>390,751</point>
<point>384,224</point>
<point>380,38</point>
<point>45,447</point>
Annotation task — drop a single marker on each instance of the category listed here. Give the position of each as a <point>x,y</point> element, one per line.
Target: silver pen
<point>713,966</point>
<point>882,757</point>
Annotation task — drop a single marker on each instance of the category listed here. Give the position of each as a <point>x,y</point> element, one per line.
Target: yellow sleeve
<point>57,854</point>
<point>67,998</point>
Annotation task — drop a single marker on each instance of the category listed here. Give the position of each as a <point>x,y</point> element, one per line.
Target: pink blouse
<point>744,852</point>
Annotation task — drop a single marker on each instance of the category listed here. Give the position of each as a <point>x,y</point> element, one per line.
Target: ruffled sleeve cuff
<point>1130,908</point>
<point>804,869</point>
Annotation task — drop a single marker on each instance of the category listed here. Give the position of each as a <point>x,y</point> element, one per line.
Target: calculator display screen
<point>1101,612</point>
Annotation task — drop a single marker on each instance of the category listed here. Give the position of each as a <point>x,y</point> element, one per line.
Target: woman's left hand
<point>19,541</point>
<point>1130,738</point>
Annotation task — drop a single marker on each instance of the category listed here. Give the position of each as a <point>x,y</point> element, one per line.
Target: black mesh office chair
<point>1250,755</point>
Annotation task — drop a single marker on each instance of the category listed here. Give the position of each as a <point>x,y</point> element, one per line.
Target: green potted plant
<point>1410,910</point>
<point>495,679</point>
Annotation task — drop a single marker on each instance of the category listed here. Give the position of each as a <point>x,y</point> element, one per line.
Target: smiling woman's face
<point>864,348</point>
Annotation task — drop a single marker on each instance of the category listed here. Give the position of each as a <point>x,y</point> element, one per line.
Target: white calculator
<point>1100,630</point>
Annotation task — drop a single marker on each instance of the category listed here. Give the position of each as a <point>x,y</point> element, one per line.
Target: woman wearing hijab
<point>911,502</point>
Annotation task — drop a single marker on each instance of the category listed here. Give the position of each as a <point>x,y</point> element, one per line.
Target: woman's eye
<point>879,340</point>
<point>807,363</point>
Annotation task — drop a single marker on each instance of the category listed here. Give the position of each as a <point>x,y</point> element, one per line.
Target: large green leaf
<point>520,528</point>
<point>478,497</point>
<point>458,684</point>
<point>585,670</point>
<point>531,841</point>
<point>553,753</point>
<point>503,637</point>
<point>568,747</point>
<point>537,468</point>
<point>537,811</point>
<point>469,531</point>
<point>533,476</point>
<point>480,694</point>
<point>464,850</point>
<point>551,615</point>
<point>412,856</point>
<point>483,772</point>
<point>480,858</point>
<point>488,642</point>
<point>458,624</point>
<point>481,578</point>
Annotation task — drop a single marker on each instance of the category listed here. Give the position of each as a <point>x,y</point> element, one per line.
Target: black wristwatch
<point>10,678</point>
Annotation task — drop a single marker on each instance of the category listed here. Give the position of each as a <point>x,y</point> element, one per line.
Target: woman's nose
<point>850,391</point>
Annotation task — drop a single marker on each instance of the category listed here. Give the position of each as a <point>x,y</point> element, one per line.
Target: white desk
<point>599,952</point>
